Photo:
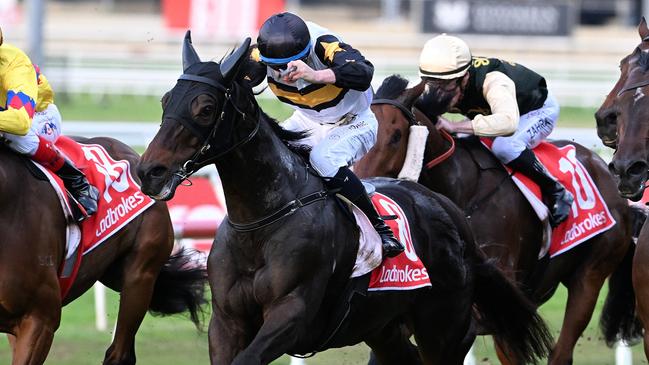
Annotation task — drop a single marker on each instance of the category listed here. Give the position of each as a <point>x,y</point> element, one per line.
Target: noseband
<point>201,157</point>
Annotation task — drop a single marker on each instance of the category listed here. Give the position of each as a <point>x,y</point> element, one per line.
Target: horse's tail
<point>618,320</point>
<point>508,314</point>
<point>180,287</point>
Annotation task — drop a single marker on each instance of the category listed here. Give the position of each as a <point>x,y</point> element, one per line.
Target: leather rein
<point>413,121</point>
<point>201,158</point>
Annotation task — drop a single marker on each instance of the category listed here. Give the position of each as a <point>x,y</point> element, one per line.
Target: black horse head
<point>193,132</point>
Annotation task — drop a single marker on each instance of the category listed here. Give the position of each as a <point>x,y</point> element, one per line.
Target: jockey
<point>503,100</point>
<point>327,82</point>
<point>20,87</point>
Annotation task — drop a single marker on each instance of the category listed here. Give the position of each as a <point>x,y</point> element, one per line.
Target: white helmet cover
<point>444,57</point>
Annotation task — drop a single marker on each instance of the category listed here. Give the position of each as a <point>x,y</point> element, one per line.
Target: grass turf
<point>174,340</point>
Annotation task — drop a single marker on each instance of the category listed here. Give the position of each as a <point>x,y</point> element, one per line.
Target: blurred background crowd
<point>110,61</point>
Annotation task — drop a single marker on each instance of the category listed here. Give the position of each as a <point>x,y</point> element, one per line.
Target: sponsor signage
<point>507,17</point>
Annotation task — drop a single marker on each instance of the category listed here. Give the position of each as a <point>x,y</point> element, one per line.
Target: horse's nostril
<point>637,168</point>
<point>611,168</point>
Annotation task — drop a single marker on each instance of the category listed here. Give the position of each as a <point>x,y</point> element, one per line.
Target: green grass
<point>125,108</point>
<point>147,109</point>
<point>174,340</point>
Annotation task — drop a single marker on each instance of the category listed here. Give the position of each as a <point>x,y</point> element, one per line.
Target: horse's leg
<point>392,346</point>
<point>34,334</point>
<point>141,266</point>
<point>641,282</point>
<point>227,337</point>
<point>442,325</point>
<point>583,290</point>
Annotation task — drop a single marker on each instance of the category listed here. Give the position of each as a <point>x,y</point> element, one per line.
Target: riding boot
<point>74,180</point>
<point>353,190</point>
<point>555,196</point>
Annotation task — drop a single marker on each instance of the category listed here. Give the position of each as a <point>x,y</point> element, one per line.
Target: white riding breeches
<point>533,128</point>
<point>46,124</point>
<point>336,145</point>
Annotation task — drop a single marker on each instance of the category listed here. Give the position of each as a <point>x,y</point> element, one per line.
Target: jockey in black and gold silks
<point>328,83</point>
<point>531,88</point>
<point>502,100</point>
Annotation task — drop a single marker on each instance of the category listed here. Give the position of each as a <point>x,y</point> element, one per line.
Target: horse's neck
<point>456,176</point>
<point>261,176</point>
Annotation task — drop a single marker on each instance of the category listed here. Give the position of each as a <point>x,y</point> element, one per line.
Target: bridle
<point>408,114</point>
<point>636,85</point>
<point>201,157</point>
<point>413,121</point>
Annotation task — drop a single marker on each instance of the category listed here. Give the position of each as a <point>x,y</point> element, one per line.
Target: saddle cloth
<point>120,201</point>
<point>589,214</point>
<point>403,272</point>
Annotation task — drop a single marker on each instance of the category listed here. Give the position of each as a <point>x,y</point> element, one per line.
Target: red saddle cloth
<point>120,200</point>
<point>405,271</point>
<point>589,214</point>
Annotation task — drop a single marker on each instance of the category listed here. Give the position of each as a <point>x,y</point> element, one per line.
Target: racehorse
<point>504,224</point>
<point>280,265</point>
<point>626,107</point>
<point>135,261</point>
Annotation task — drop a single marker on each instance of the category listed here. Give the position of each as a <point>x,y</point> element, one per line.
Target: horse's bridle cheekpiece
<point>639,84</point>
<point>227,67</point>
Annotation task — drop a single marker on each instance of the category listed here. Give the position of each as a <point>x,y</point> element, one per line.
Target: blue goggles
<point>279,62</point>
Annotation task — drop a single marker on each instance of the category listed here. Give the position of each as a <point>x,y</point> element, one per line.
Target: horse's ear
<point>409,97</point>
<point>642,29</point>
<point>190,56</point>
<point>231,64</point>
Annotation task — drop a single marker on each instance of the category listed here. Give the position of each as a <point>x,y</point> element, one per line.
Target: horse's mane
<point>391,88</point>
<point>252,73</point>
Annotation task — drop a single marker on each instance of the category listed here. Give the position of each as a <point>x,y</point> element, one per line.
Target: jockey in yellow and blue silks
<point>26,96</point>
<point>327,82</point>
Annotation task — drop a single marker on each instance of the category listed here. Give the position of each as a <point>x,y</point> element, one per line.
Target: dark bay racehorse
<point>280,265</point>
<point>135,261</point>
<point>626,105</point>
<point>503,222</point>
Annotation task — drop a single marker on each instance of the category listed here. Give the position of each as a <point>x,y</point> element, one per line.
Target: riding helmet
<point>283,38</point>
<point>444,57</point>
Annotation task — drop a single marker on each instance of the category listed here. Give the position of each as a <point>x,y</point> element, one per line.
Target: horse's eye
<point>207,111</point>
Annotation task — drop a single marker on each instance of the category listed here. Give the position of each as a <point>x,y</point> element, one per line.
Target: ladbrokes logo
<point>121,210</point>
<point>404,275</point>
<point>578,229</point>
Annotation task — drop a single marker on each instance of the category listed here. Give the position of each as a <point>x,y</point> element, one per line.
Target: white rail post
<point>623,355</point>
<point>297,361</point>
<point>100,307</point>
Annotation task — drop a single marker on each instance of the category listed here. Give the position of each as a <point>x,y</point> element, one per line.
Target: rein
<point>188,167</point>
<point>413,121</point>
<point>441,158</point>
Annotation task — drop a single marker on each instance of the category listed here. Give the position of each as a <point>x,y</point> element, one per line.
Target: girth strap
<point>284,211</point>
